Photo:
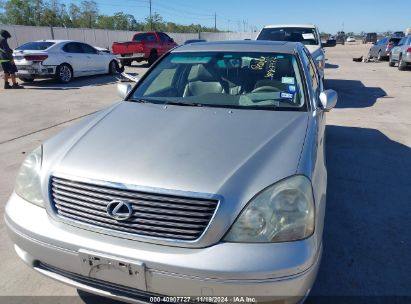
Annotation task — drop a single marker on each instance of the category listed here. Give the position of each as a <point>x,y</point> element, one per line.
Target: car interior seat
<point>203,79</point>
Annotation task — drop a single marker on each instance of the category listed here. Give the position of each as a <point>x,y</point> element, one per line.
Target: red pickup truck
<point>144,46</point>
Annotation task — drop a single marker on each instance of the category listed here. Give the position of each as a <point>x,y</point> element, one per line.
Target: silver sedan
<point>206,183</point>
<point>401,54</point>
<point>62,60</point>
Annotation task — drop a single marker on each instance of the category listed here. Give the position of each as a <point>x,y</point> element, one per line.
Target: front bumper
<point>284,271</point>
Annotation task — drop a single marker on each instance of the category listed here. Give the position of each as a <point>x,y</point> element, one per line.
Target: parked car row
<point>218,151</point>
<point>382,48</point>
<point>67,59</point>
<point>394,49</point>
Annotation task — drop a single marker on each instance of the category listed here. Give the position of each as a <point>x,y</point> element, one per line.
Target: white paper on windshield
<point>286,95</point>
<point>288,80</point>
<point>308,36</point>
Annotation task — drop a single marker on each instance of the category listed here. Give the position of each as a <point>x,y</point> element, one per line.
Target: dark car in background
<point>382,49</point>
<point>370,37</point>
<point>341,37</point>
<point>399,34</point>
<point>331,41</point>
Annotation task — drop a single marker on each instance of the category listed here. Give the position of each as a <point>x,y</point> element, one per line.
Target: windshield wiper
<point>165,102</point>
<point>186,104</point>
<point>146,100</point>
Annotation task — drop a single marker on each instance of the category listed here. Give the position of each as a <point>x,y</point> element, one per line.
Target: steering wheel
<point>266,89</point>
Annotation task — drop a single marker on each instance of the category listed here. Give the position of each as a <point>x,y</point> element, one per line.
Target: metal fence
<point>102,38</point>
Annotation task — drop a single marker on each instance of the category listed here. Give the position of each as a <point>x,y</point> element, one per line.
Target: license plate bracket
<point>113,269</point>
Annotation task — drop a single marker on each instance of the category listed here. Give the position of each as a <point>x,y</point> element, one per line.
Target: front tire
<point>152,58</point>
<point>64,73</point>
<point>113,67</point>
<point>391,63</point>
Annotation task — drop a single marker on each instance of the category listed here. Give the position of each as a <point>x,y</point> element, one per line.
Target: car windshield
<point>395,41</point>
<point>252,80</point>
<point>307,36</point>
<point>35,46</point>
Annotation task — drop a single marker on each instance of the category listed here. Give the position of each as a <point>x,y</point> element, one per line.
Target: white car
<point>351,39</point>
<point>307,34</point>
<point>62,60</point>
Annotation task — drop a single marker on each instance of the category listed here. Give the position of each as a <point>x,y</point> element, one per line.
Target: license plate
<point>114,270</point>
<point>138,55</point>
<point>24,67</point>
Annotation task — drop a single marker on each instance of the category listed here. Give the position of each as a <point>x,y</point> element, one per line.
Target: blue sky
<point>329,15</point>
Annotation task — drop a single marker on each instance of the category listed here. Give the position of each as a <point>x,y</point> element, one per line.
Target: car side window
<point>88,49</point>
<point>164,81</point>
<point>314,74</point>
<point>140,37</point>
<point>151,37</point>
<point>73,47</point>
<point>164,37</point>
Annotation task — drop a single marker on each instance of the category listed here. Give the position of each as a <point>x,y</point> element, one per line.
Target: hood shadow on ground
<point>367,219</point>
<point>354,94</point>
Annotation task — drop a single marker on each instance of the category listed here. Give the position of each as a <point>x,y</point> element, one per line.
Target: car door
<point>375,47</point>
<point>395,53</point>
<point>96,63</point>
<point>74,55</point>
<point>167,42</point>
<point>152,43</point>
<point>316,137</point>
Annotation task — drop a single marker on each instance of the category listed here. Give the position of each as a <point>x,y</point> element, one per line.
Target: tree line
<point>84,15</point>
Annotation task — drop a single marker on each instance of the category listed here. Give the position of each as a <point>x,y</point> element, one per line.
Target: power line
<point>151,19</point>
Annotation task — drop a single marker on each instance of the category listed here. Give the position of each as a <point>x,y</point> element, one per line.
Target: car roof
<point>55,40</point>
<point>241,46</point>
<point>290,25</point>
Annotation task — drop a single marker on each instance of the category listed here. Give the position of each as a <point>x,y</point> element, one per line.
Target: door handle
<point>70,56</point>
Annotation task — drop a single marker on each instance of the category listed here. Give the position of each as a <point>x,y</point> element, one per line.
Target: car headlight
<point>282,212</point>
<point>28,184</point>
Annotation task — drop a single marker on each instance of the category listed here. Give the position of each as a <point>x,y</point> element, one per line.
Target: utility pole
<point>151,19</point>
<point>215,22</point>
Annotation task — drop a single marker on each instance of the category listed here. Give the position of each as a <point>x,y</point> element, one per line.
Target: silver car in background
<point>307,34</point>
<point>207,182</point>
<point>382,48</point>
<point>62,60</point>
<point>401,54</point>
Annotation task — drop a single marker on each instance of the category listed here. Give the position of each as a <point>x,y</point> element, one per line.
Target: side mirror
<point>171,40</point>
<point>328,99</point>
<point>123,89</point>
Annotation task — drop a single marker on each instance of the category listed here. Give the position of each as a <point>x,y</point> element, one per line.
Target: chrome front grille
<point>153,215</point>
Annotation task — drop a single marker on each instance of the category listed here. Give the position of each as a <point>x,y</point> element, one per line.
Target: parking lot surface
<point>366,238</point>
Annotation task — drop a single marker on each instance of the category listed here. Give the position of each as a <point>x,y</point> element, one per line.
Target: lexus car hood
<point>196,149</point>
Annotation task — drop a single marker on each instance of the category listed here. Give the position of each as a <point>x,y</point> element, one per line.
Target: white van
<point>307,34</point>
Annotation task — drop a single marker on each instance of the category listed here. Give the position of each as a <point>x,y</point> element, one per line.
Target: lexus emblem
<point>119,210</point>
